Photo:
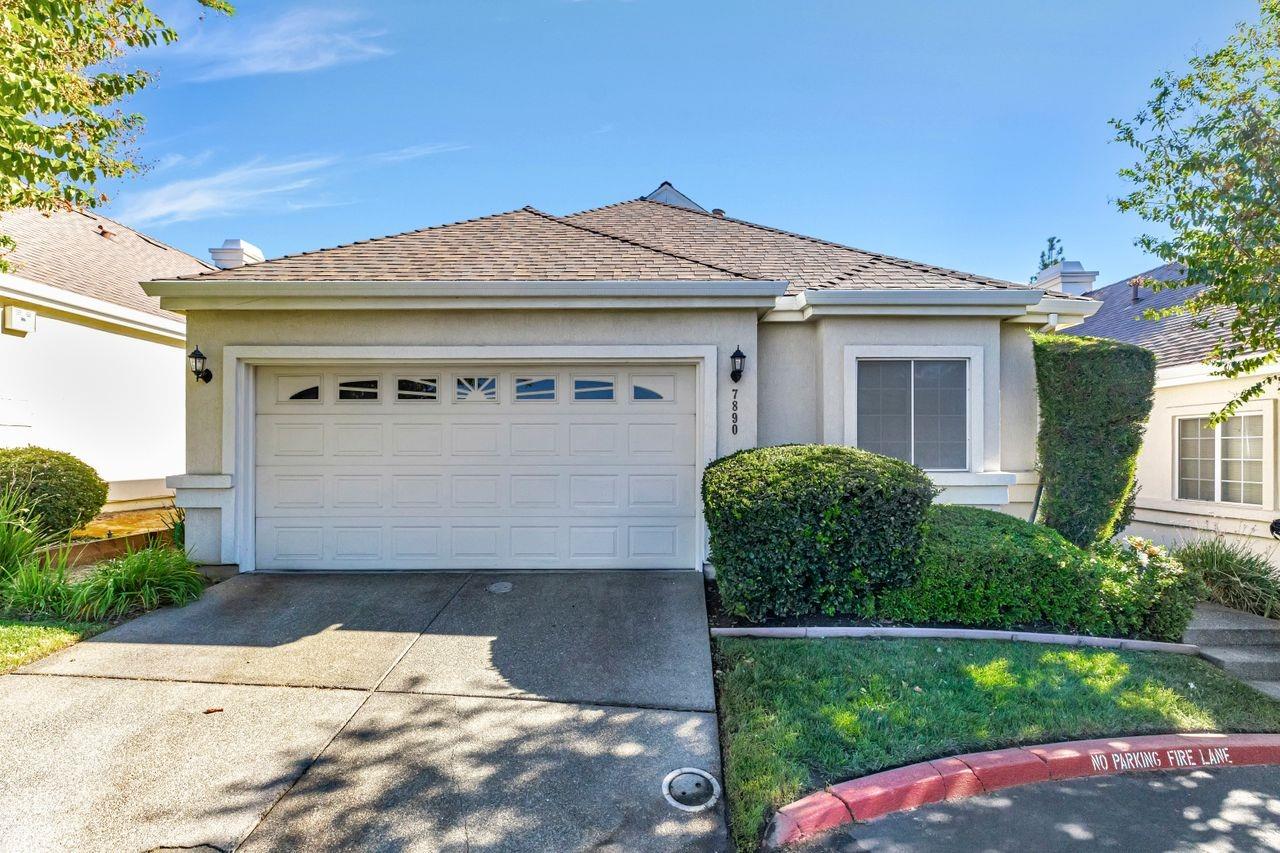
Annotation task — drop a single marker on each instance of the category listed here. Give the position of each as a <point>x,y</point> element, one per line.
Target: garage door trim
<point>239,408</point>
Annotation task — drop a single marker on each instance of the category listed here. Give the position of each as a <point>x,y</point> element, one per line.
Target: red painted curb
<point>979,772</point>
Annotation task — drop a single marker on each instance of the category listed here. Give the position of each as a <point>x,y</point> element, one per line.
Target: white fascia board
<point>1192,374</point>
<point>939,301</point>
<point>451,290</point>
<point>99,311</point>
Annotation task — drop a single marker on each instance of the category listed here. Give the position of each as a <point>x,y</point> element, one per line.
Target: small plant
<point>176,524</point>
<point>1234,575</point>
<point>20,535</point>
<point>63,492</point>
<point>140,580</point>
<point>37,588</point>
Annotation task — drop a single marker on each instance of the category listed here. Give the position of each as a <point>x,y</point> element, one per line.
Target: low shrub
<point>804,529</point>
<point>37,588</point>
<point>986,569</point>
<point>63,492</point>
<point>1234,575</point>
<point>140,580</point>
<point>20,536</point>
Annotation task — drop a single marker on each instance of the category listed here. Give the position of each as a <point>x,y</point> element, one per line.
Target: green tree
<point>1208,177</point>
<point>62,78</point>
<point>1050,255</point>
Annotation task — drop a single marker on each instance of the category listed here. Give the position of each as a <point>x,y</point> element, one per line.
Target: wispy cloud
<point>414,152</point>
<point>175,160</point>
<point>298,40</point>
<point>250,186</point>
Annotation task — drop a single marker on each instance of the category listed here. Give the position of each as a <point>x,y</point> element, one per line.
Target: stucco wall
<point>112,400</point>
<point>789,381</point>
<point>1160,514</point>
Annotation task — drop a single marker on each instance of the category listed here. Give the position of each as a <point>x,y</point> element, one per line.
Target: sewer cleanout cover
<point>691,789</point>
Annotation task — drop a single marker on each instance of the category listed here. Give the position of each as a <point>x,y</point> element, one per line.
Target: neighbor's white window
<point>1222,463</point>
<point>915,409</point>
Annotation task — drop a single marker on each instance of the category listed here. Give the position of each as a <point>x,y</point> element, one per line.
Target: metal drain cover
<point>691,789</point>
<point>500,587</point>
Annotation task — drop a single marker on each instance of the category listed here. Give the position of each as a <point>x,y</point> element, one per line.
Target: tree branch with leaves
<point>62,131</point>
<point>1208,175</point>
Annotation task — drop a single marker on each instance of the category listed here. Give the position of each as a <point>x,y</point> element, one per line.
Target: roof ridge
<point>629,241</point>
<point>381,237</point>
<point>892,259</point>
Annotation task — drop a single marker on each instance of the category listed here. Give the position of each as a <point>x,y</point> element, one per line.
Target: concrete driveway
<point>373,712</point>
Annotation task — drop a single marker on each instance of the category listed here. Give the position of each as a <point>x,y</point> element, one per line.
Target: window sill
<point>974,488</point>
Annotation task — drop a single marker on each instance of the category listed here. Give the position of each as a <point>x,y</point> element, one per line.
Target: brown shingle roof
<point>68,250</point>
<point>524,244</point>
<point>1176,339</point>
<point>769,253</point>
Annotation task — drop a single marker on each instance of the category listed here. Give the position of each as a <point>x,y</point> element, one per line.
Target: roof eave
<point>246,294</point>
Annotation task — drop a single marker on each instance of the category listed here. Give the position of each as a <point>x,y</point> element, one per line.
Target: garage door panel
<point>480,479</point>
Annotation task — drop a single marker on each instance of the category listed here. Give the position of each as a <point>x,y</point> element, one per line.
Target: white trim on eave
<point>251,295</point>
<point>1193,374</point>
<point>1014,304</point>
<point>99,312</point>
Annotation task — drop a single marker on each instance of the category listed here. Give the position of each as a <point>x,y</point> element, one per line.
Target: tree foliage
<point>1208,176</point>
<point>63,77</point>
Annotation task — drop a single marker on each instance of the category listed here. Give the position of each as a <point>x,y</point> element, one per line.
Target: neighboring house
<point>91,364</point>
<point>534,391</point>
<point>1193,477</point>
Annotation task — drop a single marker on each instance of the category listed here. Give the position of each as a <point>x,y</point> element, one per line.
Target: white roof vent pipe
<point>235,253</point>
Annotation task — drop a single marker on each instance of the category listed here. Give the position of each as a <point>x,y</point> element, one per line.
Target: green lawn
<point>22,642</point>
<point>799,714</point>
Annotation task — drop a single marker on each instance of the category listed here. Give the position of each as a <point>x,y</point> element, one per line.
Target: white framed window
<point>1223,463</point>
<point>535,388</point>
<point>360,388</point>
<point>920,403</point>
<point>471,389</point>
<point>598,389</point>
<point>293,389</point>
<point>418,388</point>
<point>653,388</point>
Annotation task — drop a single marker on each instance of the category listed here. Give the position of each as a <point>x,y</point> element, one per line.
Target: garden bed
<point>797,715</point>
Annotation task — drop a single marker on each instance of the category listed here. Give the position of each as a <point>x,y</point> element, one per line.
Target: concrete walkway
<point>1221,810</point>
<point>373,711</point>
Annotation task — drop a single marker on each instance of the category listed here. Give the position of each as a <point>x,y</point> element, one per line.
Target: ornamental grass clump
<point>806,529</point>
<point>1234,575</point>
<point>138,581</point>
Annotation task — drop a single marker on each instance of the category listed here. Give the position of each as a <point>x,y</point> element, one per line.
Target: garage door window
<point>472,389</point>
<point>529,388</point>
<point>358,389</point>
<point>298,388</point>
<point>417,389</point>
<point>598,388</point>
<point>652,388</point>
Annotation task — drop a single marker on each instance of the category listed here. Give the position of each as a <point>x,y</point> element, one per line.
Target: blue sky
<point>961,134</point>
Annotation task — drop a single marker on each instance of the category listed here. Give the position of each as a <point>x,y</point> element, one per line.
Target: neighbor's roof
<point>641,240</point>
<point>90,255</point>
<point>1176,339</point>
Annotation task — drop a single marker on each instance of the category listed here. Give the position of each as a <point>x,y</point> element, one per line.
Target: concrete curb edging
<point>816,632</point>
<point>980,772</point>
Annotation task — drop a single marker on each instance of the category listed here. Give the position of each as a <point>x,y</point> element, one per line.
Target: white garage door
<point>442,467</point>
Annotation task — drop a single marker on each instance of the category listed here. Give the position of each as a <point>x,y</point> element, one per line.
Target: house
<point>1193,477</point>
<point>91,364</point>
<point>526,390</point>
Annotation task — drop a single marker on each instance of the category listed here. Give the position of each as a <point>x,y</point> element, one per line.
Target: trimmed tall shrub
<point>62,492</point>
<point>986,569</point>
<point>804,529</point>
<point>1095,398</point>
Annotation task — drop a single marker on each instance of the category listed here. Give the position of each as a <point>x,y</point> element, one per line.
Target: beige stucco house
<point>534,391</point>
<point>90,364</point>
<point>1194,479</point>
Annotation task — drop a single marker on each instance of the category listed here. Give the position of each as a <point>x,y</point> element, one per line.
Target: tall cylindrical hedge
<point>1095,398</point>
<point>804,529</point>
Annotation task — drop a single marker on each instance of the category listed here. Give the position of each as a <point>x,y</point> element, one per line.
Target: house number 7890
<point>733,413</point>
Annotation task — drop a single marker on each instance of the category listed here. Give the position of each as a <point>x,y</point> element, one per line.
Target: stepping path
<point>1245,645</point>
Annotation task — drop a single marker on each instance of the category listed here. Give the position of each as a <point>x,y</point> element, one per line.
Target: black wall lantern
<point>198,370</point>
<point>737,362</point>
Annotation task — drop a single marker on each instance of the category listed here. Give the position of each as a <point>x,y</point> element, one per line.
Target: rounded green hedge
<point>803,529</point>
<point>62,491</point>
<point>986,569</point>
